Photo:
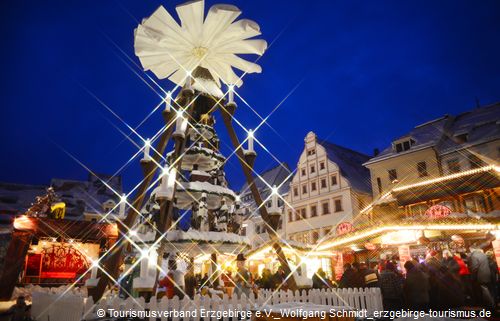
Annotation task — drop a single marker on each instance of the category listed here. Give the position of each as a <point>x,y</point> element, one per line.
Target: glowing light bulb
<point>250,140</point>
<point>230,94</point>
<point>147,147</point>
<point>168,101</point>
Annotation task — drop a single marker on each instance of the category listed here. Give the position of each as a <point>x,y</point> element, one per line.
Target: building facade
<point>253,225</point>
<point>451,161</point>
<point>330,187</point>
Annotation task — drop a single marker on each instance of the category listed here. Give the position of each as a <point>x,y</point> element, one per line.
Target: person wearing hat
<point>243,279</point>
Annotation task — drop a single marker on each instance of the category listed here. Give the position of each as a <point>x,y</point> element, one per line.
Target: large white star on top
<point>174,51</point>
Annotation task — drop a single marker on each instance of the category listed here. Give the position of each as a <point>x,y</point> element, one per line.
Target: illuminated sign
<point>344,227</point>
<point>438,211</point>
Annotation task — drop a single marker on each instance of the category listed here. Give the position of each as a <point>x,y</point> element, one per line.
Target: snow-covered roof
<point>278,176</point>
<point>424,136</point>
<point>350,163</point>
<point>79,196</point>
<point>446,134</point>
<point>479,125</point>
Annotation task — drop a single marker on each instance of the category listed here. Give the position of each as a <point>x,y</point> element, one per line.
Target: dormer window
<point>403,145</point>
<point>311,152</point>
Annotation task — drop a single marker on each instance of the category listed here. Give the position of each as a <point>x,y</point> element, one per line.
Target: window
<point>418,209</point>
<point>475,204</point>
<point>314,211</point>
<point>462,138</point>
<point>453,165</point>
<point>403,146</point>
<point>334,180</point>
<point>303,213</point>
<point>338,205</point>
<point>323,183</point>
<point>379,185</point>
<point>290,216</point>
<point>313,186</point>
<point>311,152</point>
<point>313,169</point>
<point>327,231</point>
<point>321,166</point>
<point>326,208</point>
<point>304,189</point>
<point>422,169</point>
<point>393,175</point>
<point>475,162</point>
<point>303,172</point>
<point>297,215</point>
<point>295,191</point>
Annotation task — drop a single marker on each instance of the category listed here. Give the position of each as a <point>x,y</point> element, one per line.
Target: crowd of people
<point>441,280</point>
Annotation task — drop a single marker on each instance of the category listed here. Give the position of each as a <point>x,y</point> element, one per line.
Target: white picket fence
<point>70,307</point>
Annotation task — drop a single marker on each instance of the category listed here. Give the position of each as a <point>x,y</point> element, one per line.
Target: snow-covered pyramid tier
<point>205,159</point>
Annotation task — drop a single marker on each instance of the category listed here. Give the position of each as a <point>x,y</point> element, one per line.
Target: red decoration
<point>344,227</point>
<point>438,211</point>
<point>63,261</point>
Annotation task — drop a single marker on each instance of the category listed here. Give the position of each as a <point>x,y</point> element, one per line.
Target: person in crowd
<point>494,274</point>
<point>178,278</point>
<point>279,279</point>
<point>190,281</point>
<point>416,287</point>
<point>390,286</point>
<point>450,262</point>
<point>464,275</point>
<point>204,280</point>
<point>266,280</point>
<point>167,283</point>
<point>20,311</point>
<point>369,276</point>
<point>359,278</point>
<point>451,291</point>
<point>320,280</point>
<point>350,278</point>
<point>432,266</point>
<point>243,278</point>
<point>481,277</point>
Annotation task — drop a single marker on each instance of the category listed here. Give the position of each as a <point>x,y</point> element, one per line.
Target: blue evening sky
<point>359,73</point>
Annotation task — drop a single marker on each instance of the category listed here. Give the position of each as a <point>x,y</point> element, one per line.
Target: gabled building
<point>330,187</point>
<point>451,161</point>
<point>253,225</point>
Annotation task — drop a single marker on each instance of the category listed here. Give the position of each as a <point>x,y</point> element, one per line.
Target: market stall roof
<point>443,224</point>
<point>464,182</point>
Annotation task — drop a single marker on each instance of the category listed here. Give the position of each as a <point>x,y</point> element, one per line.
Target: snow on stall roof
<point>350,163</point>
<point>79,196</point>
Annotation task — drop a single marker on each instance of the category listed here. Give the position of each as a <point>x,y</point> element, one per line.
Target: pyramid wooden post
<point>247,161</point>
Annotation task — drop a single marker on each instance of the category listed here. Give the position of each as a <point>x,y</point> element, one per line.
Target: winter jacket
<point>452,265</point>
<point>416,288</point>
<point>463,269</point>
<point>350,279</point>
<point>480,267</point>
<point>390,285</point>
